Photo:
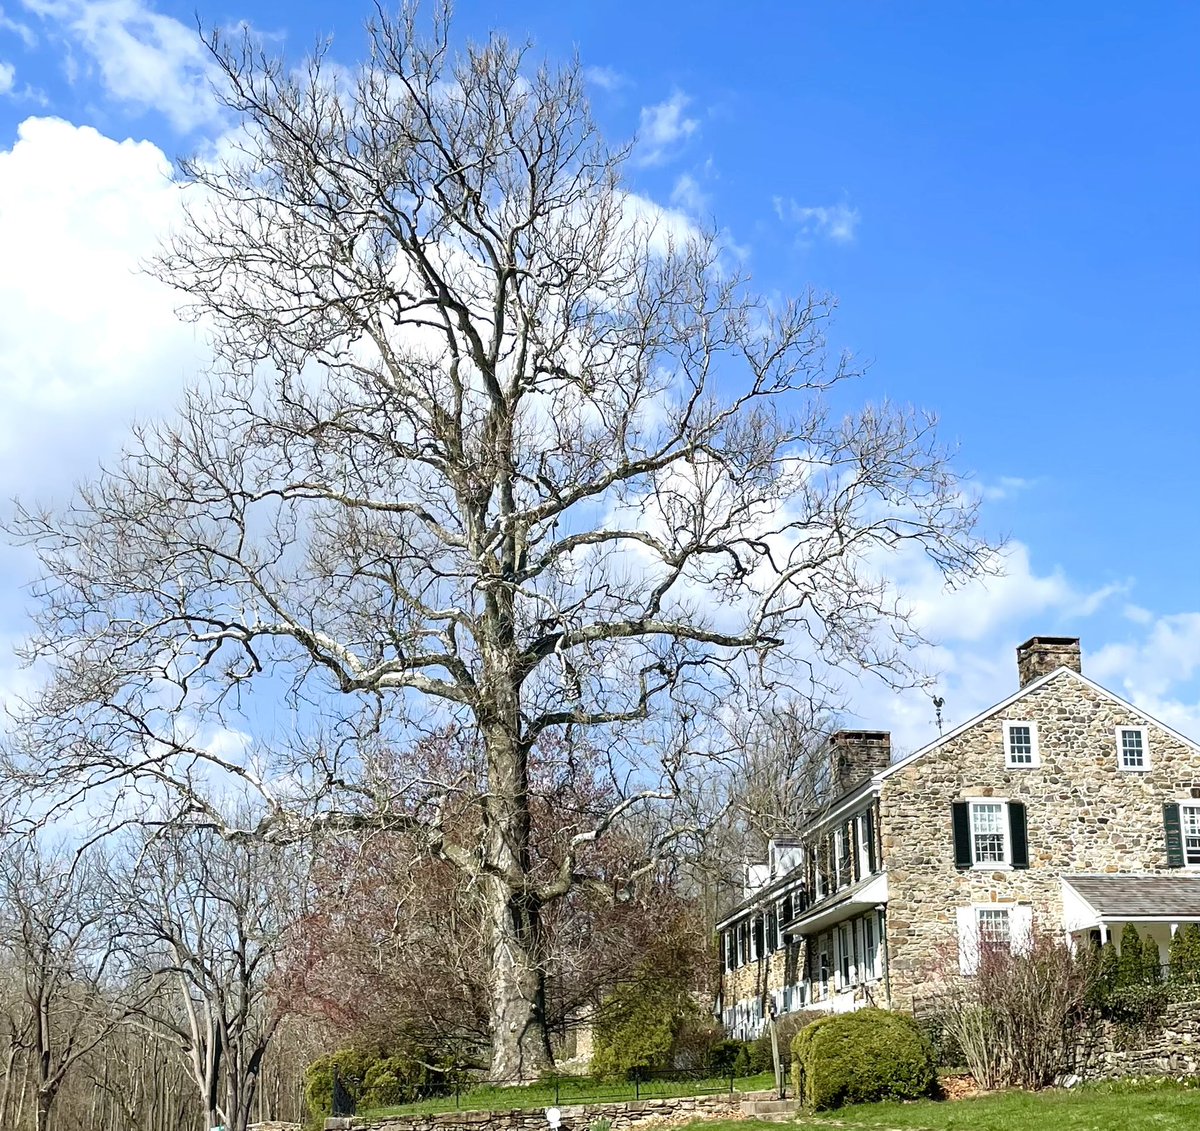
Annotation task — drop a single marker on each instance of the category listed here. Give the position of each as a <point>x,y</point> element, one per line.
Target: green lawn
<point>572,1090</point>
<point>1120,1106</point>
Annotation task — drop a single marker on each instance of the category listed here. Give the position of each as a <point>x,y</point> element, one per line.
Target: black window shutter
<point>1018,834</point>
<point>960,814</point>
<point>872,849</point>
<point>1174,833</point>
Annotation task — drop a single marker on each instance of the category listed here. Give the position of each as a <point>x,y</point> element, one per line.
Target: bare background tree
<point>487,447</point>
<point>210,919</point>
<point>94,1028</point>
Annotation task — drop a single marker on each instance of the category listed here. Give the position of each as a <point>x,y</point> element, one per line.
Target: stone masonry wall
<point>576,1117</point>
<point>770,973</point>
<point>1170,1047</point>
<point>1084,816</point>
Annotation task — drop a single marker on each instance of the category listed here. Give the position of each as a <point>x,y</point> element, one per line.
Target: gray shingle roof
<point>1146,895</point>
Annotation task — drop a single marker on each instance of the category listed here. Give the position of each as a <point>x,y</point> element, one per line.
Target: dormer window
<point>1021,745</point>
<point>1133,752</point>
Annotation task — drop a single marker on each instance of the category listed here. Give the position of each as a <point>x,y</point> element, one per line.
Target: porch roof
<point>867,894</point>
<point>1147,896</point>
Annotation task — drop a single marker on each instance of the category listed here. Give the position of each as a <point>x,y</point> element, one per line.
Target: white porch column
<point>1103,932</point>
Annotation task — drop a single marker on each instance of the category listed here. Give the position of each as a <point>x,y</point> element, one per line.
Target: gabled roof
<point>1028,689</point>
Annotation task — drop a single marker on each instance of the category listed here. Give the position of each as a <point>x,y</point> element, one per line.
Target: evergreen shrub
<point>862,1057</point>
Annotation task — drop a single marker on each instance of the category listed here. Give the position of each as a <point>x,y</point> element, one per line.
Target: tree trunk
<point>520,1045</point>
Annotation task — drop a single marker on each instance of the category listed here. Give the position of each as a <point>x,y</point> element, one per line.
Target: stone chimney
<point>1042,654</point>
<point>855,755</point>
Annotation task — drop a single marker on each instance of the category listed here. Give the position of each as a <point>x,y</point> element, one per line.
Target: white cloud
<point>663,128</point>
<point>605,78</point>
<point>836,222</point>
<point>23,31</point>
<point>8,75</point>
<point>688,195</point>
<point>87,342</point>
<point>143,58</point>
<point>1137,614</point>
<point>1005,487</point>
<point>989,605</point>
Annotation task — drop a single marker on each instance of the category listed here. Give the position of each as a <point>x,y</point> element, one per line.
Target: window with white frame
<point>1021,745</point>
<point>985,926</point>
<point>1133,751</point>
<point>845,955</point>
<point>842,848</point>
<point>870,947</point>
<point>994,927</point>
<point>1189,818</point>
<point>989,832</point>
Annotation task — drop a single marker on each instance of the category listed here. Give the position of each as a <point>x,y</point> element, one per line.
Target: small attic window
<point>1021,745</point>
<point>1133,750</point>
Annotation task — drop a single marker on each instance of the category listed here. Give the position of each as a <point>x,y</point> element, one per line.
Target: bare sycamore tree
<point>209,918</point>
<point>486,446</point>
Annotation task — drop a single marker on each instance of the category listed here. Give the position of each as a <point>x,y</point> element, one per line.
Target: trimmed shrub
<point>1131,967</point>
<point>1151,961</point>
<point>741,1063</point>
<point>373,1077</point>
<point>1184,953</point>
<point>862,1057</point>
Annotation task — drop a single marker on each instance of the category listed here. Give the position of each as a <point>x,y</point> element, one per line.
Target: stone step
<point>761,1109</point>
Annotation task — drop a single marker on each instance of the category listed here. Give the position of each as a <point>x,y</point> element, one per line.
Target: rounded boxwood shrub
<point>862,1057</point>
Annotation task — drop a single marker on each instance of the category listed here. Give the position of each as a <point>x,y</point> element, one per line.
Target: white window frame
<point>843,855</point>
<point>1006,831</point>
<point>1184,807</point>
<point>1035,757</point>
<point>1145,766</point>
<point>1020,931</point>
<point>862,830</point>
<point>872,952</point>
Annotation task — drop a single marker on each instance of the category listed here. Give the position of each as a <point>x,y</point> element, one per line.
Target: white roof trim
<point>1020,693</point>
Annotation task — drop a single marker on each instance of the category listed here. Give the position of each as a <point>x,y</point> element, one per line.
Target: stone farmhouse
<point>1062,804</point>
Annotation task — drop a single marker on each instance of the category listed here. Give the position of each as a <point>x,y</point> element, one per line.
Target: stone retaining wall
<point>1167,1047</point>
<point>575,1117</point>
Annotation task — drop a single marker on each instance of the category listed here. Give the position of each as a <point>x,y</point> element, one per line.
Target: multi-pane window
<point>824,947</point>
<point>846,953</point>
<point>1131,748</point>
<point>1189,816</point>
<point>994,928</point>
<point>870,947</point>
<point>842,841</point>
<point>1020,744</point>
<point>988,832</point>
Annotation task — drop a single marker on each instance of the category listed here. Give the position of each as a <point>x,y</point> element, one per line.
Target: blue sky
<point>1002,196</point>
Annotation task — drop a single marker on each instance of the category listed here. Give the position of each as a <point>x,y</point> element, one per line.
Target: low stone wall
<point>575,1117</point>
<point>1169,1046</point>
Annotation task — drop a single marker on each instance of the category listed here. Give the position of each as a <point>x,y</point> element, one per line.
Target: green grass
<point>1117,1106</point>
<point>572,1090</point>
